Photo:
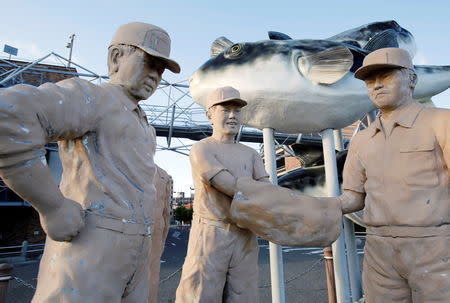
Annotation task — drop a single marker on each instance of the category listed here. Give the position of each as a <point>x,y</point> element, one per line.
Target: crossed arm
<point>213,172</point>
<point>225,182</point>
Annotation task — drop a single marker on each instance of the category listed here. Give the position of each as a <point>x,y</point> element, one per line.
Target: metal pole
<point>70,45</point>
<point>23,251</point>
<point>371,116</point>
<point>24,68</point>
<point>339,259</point>
<point>77,65</point>
<point>5,276</point>
<point>276,254</point>
<point>350,239</point>
<point>353,260</point>
<point>328,256</point>
<point>167,108</point>
<point>338,141</point>
<point>239,135</point>
<point>169,138</point>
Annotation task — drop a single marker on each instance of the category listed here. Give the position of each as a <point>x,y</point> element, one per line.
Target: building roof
<point>36,75</point>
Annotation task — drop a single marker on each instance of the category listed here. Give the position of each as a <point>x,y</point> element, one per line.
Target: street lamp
<point>70,45</point>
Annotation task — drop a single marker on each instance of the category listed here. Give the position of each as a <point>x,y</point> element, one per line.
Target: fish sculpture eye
<point>234,51</point>
<point>235,48</point>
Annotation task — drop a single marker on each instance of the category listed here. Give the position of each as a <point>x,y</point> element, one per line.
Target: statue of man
<point>398,170</point>
<point>99,220</point>
<point>222,259</point>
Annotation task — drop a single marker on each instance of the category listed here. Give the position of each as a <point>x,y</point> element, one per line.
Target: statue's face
<point>388,88</point>
<point>226,118</point>
<point>139,74</point>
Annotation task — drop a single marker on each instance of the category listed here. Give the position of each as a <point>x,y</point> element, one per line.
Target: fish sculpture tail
<point>431,81</point>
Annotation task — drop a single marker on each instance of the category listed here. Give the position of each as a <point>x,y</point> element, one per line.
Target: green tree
<point>183,214</point>
<point>189,214</point>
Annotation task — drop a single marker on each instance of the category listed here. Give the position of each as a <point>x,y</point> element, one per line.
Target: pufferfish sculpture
<point>303,86</point>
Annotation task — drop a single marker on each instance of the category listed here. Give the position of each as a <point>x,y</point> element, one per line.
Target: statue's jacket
<point>403,172</point>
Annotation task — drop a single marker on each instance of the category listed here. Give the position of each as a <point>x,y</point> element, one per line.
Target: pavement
<point>304,272</point>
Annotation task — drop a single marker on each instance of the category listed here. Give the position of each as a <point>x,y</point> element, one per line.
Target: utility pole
<point>70,45</point>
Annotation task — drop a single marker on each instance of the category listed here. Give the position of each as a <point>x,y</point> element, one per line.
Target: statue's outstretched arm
<point>285,216</point>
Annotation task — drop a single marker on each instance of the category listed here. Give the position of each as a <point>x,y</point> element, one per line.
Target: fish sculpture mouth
<point>193,80</point>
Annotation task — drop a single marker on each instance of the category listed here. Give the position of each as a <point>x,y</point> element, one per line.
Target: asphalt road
<point>304,272</point>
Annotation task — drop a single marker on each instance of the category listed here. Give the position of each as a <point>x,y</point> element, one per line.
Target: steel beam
<point>338,247</point>
<point>276,254</point>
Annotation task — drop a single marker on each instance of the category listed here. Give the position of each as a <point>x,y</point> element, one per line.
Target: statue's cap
<point>384,58</point>
<point>151,39</point>
<point>223,95</point>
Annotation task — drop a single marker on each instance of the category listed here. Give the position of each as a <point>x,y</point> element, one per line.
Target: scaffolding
<point>171,110</point>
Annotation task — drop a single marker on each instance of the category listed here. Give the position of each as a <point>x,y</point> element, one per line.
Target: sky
<point>37,28</point>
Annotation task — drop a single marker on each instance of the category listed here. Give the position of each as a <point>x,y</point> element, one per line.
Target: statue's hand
<point>65,222</point>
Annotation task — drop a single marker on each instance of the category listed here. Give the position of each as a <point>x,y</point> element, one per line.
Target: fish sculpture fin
<point>278,36</point>
<point>326,67</point>
<point>377,35</point>
<point>219,45</point>
<point>387,38</point>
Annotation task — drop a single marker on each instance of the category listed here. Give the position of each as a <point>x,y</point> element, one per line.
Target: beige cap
<point>384,58</point>
<point>151,39</point>
<point>222,95</point>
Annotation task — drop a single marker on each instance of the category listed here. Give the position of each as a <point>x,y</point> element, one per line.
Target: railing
<point>360,234</point>
<point>20,253</point>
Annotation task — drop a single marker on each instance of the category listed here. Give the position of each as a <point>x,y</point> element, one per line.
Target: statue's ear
<point>209,116</point>
<point>114,56</point>
<point>413,80</point>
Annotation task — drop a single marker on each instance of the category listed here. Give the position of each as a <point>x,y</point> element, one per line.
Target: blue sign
<point>10,50</point>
